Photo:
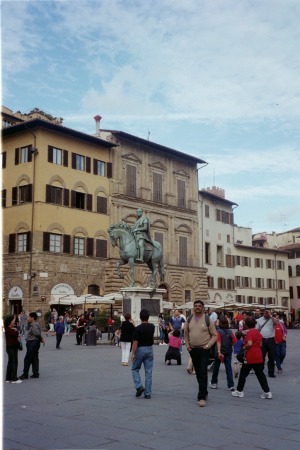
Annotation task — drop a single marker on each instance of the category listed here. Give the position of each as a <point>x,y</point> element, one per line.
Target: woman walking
<point>127,328</point>
<point>12,347</point>
<point>253,360</point>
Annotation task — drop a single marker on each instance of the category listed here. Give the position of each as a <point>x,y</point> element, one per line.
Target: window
<point>93,289</point>
<point>238,281</point>
<point>23,155</point>
<point>182,251</point>
<point>181,200</point>
<point>131,180</point>
<point>261,300</point>
<point>207,253</point>
<point>101,248</point>
<point>290,271</point>
<point>221,283</point>
<point>230,284</point>
<point>79,246</point>
<point>237,260</point>
<point>229,261</point>
<point>19,242</point>
<point>81,200</point>
<point>157,187</point>
<point>101,205</point>
<point>80,162</point>
<point>159,237</point>
<point>187,296</point>
<point>228,238</point>
<point>3,162</point>
<point>280,265</point>
<point>258,262</point>
<point>247,282</point>
<point>251,299</point>
<point>270,283</point>
<point>57,195</point>
<point>206,211</point>
<point>270,301</point>
<point>3,196</point>
<point>297,271</point>
<point>259,283</point>
<point>57,156</point>
<point>22,194</point>
<point>210,282</point>
<point>247,261</point>
<point>298,291</point>
<point>240,298</point>
<point>281,284</point>
<point>99,168</point>
<point>270,264</point>
<point>291,293</point>
<point>220,255</point>
<point>55,243</point>
<point>224,216</point>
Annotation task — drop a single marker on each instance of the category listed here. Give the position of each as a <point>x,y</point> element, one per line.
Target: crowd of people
<point>260,337</point>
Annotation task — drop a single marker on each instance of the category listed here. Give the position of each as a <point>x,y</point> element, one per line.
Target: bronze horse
<point>121,235</point>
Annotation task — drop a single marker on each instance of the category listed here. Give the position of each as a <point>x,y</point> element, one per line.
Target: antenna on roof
<point>148,134</point>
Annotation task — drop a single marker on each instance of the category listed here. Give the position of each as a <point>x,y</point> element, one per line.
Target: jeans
<point>12,365</point>
<point>268,347</point>
<point>161,335</point>
<point>125,346</point>
<point>32,357</point>
<point>280,353</point>
<point>67,328</point>
<point>259,372</point>
<point>200,361</point>
<point>228,368</point>
<point>143,355</point>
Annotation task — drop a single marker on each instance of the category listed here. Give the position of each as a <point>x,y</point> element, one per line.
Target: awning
<point>167,305</point>
<point>108,299</point>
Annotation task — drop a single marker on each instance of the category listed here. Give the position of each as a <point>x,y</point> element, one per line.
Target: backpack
<point>226,342</point>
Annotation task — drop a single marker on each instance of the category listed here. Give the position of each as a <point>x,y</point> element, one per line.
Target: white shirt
<point>268,329</point>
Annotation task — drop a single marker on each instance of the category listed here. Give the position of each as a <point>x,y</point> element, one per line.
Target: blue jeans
<point>143,355</point>
<point>228,368</point>
<point>32,357</point>
<point>161,334</point>
<point>280,353</point>
<point>200,358</point>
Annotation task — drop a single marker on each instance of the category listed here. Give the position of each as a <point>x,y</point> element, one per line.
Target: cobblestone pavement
<point>85,399</point>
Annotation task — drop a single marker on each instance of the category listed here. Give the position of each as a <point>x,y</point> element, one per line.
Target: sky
<point>217,79</point>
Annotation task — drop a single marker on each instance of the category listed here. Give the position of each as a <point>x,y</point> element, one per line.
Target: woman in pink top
<point>253,360</point>
<point>173,350</point>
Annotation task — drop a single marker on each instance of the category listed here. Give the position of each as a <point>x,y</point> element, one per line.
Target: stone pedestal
<point>137,298</point>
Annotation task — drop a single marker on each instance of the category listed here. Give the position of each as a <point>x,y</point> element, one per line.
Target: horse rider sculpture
<point>141,232</point>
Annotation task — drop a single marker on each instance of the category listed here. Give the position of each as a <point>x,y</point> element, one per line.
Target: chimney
<point>97,120</point>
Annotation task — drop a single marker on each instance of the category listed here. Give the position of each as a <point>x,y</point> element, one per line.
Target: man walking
<point>142,352</point>
<point>33,342</point>
<point>265,325</point>
<point>200,335</point>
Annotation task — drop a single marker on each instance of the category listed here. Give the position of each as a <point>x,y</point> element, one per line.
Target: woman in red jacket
<point>12,347</point>
<point>253,360</point>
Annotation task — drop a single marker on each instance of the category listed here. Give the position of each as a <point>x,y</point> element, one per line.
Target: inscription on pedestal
<point>126,305</point>
<point>152,305</point>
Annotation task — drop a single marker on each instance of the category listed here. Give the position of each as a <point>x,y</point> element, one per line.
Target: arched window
<point>93,289</point>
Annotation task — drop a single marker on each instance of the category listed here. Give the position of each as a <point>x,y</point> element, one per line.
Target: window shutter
<point>157,187</point>
<point>14,196</point>
<point>12,243</point>
<point>50,154</point>
<point>109,170</point>
<point>4,160</point>
<point>48,193</point>
<point>102,205</point>
<point>28,243</point>
<point>65,157</point>
<point>95,166</point>
<point>89,202</point>
<point>66,199</point>
<point>46,241</point>
<point>89,247</point>
<point>88,164</point>
<point>17,156</point>
<point>29,192</point>
<point>67,243</point>
<point>101,248</point>
<point>73,199</point>
<point>73,160</point>
<point>4,198</point>
<point>29,159</point>
<point>181,193</point>
<point>182,251</point>
<point>131,180</point>
<point>218,212</point>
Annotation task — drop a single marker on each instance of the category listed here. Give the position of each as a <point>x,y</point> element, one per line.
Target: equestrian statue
<point>136,246</point>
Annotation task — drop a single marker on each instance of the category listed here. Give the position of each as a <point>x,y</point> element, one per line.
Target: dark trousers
<point>58,339</point>
<point>32,357</point>
<point>259,372</point>
<point>200,362</point>
<point>228,368</point>
<point>280,353</point>
<point>268,348</point>
<point>173,353</point>
<point>79,334</point>
<point>12,364</point>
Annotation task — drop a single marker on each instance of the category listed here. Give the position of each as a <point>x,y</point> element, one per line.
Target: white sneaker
<point>213,386</point>
<point>160,343</point>
<point>17,381</point>
<point>238,394</point>
<point>266,395</point>
<point>7,381</point>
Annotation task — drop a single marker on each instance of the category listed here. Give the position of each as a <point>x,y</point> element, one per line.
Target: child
<point>59,328</point>
<point>117,337</point>
<point>173,350</point>
<point>239,343</point>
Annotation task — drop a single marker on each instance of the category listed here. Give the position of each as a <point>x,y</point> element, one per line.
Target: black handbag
<point>240,356</point>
